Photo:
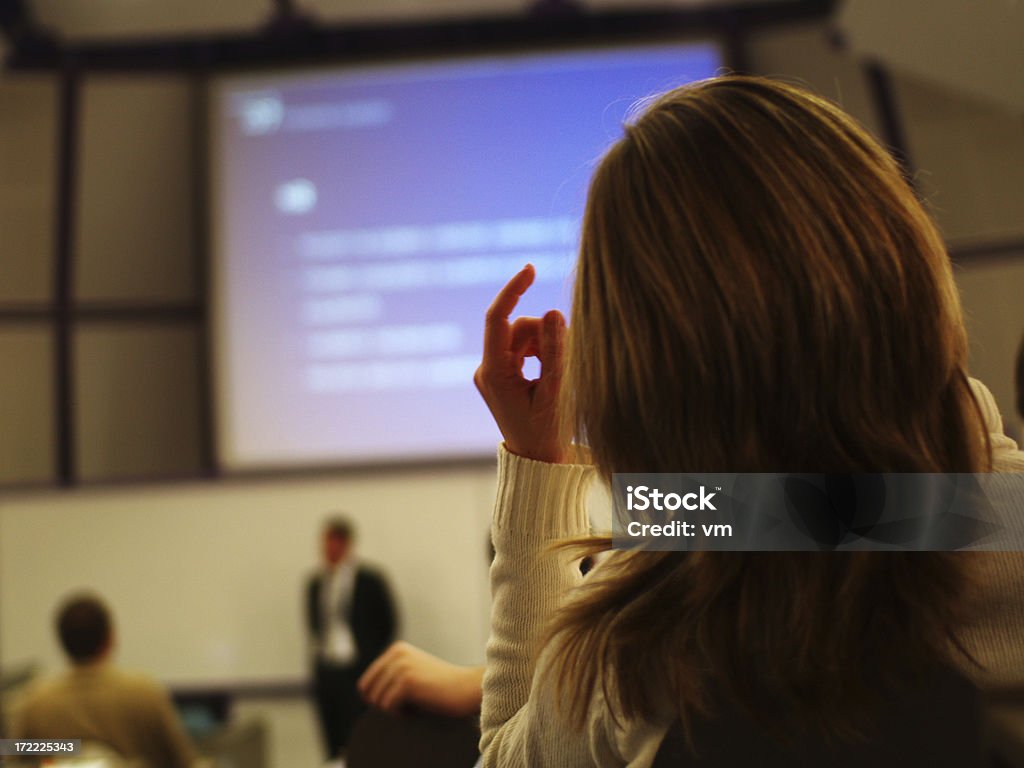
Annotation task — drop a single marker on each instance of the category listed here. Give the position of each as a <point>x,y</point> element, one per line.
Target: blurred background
<point>131,459</point>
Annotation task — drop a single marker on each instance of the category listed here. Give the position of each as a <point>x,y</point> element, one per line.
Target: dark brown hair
<point>339,527</point>
<point>759,290</point>
<point>84,627</point>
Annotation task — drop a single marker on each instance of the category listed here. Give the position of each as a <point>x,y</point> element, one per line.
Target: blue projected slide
<point>365,218</point>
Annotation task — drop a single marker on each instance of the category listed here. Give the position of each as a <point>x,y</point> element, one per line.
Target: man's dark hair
<point>84,626</point>
<point>340,527</point>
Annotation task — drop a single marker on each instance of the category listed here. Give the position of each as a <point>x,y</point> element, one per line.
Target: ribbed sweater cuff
<point>538,501</point>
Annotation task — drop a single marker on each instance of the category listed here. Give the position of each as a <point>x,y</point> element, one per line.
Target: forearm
<point>537,504</point>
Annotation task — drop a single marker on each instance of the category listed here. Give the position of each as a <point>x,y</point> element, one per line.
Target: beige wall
<point>968,154</point>
<point>992,292</point>
<point>27,169</point>
<point>207,578</point>
<point>137,388</point>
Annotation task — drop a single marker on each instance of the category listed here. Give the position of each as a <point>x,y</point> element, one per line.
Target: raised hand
<point>526,410</point>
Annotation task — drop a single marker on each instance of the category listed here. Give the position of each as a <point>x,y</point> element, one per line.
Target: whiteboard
<point>207,579</point>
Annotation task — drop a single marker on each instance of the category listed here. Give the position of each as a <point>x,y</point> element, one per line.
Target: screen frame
<point>430,51</point>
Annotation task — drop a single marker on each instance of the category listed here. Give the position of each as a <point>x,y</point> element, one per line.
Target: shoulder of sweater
<point>1006,456</point>
<point>987,404</point>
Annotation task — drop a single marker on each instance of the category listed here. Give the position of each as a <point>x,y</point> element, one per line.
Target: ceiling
<point>104,19</point>
<point>975,47</point>
<point>972,47</point>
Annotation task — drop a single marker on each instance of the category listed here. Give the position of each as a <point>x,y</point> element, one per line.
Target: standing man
<point>351,621</point>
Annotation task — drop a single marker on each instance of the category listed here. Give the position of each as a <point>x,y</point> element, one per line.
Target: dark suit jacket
<point>371,614</point>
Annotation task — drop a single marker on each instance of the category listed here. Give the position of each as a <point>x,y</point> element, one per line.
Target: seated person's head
<point>85,629</point>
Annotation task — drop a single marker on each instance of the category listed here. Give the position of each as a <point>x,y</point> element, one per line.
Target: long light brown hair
<point>759,290</point>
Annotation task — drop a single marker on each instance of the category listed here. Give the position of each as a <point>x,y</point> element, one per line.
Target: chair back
<point>415,740</point>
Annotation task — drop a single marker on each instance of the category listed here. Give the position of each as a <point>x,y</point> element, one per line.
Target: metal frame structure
<point>292,40</point>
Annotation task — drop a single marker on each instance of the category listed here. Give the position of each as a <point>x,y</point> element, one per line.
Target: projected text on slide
<point>366,217</point>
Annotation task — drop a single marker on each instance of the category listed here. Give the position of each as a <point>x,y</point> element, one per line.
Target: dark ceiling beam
<point>289,38</point>
<point>24,35</point>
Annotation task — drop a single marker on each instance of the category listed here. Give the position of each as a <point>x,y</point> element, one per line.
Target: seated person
<point>757,290</point>
<point>97,702</point>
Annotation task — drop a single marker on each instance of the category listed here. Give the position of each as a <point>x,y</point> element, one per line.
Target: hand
<point>525,410</point>
<point>405,675</point>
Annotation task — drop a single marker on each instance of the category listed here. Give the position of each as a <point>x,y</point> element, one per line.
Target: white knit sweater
<point>540,502</point>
